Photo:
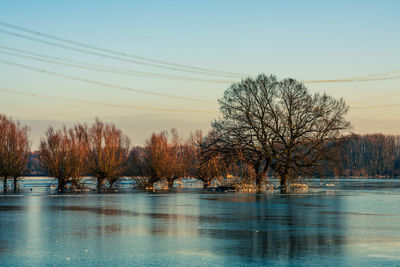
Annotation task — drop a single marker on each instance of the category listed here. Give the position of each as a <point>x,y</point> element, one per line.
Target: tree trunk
<point>100,182</point>
<point>111,183</point>
<point>260,175</point>
<point>284,183</point>
<point>75,184</point>
<point>206,184</point>
<point>5,184</point>
<point>259,179</point>
<point>171,183</point>
<point>151,183</point>
<point>15,184</point>
<point>61,185</point>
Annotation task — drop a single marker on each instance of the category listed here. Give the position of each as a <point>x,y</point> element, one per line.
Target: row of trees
<point>369,155</point>
<point>266,126</point>
<point>166,156</point>
<point>102,151</point>
<point>70,154</point>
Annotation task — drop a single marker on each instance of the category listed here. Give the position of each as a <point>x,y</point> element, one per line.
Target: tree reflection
<point>288,227</point>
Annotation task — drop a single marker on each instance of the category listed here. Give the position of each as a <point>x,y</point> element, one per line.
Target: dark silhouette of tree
<point>14,150</point>
<point>307,130</point>
<point>245,124</point>
<point>109,149</point>
<point>279,124</point>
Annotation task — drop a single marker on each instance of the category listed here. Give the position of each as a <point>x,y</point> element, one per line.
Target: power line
<point>102,68</point>
<point>385,73</point>
<point>349,80</point>
<point>374,98</point>
<point>378,106</point>
<point>73,100</point>
<point>122,71</point>
<point>79,101</point>
<point>166,63</point>
<point>124,88</point>
<point>102,55</point>
<point>365,78</point>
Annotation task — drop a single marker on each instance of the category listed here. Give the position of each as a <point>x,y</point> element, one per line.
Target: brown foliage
<point>68,154</point>
<point>109,149</point>
<point>64,154</point>
<point>14,150</point>
<point>160,159</point>
<point>79,150</point>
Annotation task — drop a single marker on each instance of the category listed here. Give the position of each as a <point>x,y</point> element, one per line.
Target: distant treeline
<point>369,155</point>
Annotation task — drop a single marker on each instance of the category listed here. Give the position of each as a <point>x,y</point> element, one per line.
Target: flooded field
<point>337,222</point>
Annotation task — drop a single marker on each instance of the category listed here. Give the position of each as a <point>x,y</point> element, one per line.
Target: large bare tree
<point>279,125</point>
<point>14,150</point>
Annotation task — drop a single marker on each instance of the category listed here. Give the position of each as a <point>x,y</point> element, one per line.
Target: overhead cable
<point>176,66</point>
<point>79,101</point>
<point>124,88</point>
<point>377,106</point>
<point>102,68</point>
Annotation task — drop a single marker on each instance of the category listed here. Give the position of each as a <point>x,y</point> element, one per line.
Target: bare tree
<point>79,153</point>
<point>177,158</point>
<point>156,158</point>
<point>307,130</point>
<point>64,154</point>
<point>14,150</point>
<point>137,168</point>
<point>109,149</point>
<point>245,123</point>
<point>279,124</point>
<point>55,156</point>
<point>200,164</point>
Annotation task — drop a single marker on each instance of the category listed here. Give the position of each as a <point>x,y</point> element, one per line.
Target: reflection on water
<point>336,227</point>
<point>269,228</point>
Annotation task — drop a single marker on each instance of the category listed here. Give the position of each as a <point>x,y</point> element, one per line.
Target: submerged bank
<point>38,185</point>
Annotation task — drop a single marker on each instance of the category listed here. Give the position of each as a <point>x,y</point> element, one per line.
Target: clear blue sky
<point>306,40</point>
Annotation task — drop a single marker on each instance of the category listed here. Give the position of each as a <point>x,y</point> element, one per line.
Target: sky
<point>305,40</point>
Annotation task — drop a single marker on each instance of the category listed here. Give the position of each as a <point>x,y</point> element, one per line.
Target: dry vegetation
<point>14,150</point>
